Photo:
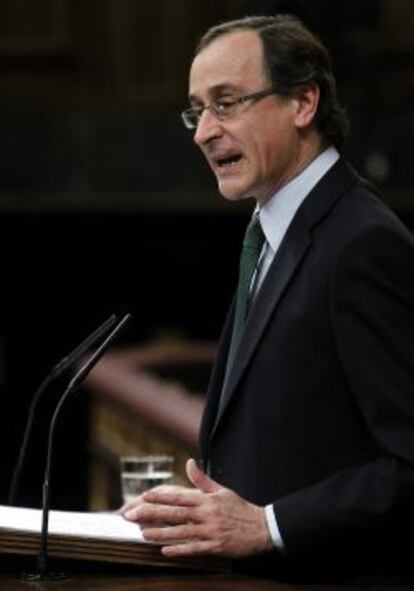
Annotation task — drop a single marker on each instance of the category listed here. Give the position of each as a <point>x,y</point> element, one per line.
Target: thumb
<point>199,479</point>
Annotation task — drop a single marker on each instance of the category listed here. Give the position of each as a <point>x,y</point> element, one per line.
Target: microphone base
<point>49,576</point>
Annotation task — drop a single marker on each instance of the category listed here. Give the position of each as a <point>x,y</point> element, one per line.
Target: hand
<point>209,519</point>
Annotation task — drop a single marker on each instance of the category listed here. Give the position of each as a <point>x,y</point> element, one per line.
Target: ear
<point>306,104</point>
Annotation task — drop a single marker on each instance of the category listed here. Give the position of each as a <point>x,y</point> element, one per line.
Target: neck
<point>308,149</point>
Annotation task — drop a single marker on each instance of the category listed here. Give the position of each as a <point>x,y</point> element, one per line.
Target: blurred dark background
<point>107,206</point>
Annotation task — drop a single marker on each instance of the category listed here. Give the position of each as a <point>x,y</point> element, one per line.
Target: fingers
<point>207,519</point>
<point>161,514</point>
<point>163,495</point>
<point>199,479</point>
<point>185,540</point>
<point>173,534</point>
<point>193,548</point>
<point>130,505</point>
<point>173,495</point>
<point>189,521</point>
<point>163,505</point>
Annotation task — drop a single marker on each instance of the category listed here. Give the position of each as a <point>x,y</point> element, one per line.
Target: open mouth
<point>229,161</point>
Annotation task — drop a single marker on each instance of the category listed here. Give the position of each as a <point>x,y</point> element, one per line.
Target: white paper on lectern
<point>109,526</point>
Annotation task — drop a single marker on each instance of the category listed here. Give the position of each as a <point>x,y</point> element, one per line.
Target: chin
<point>232,193</point>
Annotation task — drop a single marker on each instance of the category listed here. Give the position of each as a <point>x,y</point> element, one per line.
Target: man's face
<point>254,153</point>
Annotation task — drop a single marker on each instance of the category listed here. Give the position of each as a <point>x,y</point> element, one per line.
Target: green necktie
<point>251,249</point>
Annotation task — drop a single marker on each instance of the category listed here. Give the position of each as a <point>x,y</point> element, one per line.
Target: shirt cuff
<point>273,528</point>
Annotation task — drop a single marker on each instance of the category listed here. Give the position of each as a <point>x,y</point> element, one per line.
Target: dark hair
<point>293,58</point>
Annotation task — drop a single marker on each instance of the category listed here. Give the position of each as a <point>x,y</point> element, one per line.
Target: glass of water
<point>140,473</point>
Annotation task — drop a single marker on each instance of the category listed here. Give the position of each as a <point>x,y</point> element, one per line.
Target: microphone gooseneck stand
<point>42,572</point>
<point>56,372</point>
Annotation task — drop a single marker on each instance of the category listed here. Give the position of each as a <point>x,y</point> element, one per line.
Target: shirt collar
<point>277,213</point>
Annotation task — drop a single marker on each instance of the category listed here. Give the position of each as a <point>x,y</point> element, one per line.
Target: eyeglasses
<point>222,108</point>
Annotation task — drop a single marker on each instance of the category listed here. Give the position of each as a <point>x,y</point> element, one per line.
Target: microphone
<point>56,372</point>
<point>73,385</point>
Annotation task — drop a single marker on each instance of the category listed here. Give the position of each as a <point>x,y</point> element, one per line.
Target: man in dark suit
<point>308,433</point>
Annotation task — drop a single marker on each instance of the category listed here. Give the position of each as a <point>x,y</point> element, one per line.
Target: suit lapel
<point>283,267</point>
<point>216,381</point>
<point>290,255</point>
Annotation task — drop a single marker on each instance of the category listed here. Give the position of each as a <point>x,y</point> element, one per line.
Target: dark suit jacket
<point>318,415</point>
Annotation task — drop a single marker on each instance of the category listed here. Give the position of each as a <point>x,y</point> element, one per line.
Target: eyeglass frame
<point>213,107</point>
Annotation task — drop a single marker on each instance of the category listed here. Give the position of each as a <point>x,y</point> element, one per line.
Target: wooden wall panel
<point>398,26</point>
<point>102,50</point>
<point>33,29</point>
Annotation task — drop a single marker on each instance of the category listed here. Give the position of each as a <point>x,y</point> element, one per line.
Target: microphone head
<point>83,347</point>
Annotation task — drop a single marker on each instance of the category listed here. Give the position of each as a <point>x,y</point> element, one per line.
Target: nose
<point>208,128</point>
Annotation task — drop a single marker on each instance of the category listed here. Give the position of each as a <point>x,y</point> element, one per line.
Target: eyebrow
<point>215,91</point>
